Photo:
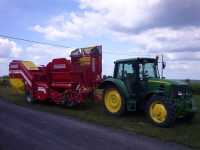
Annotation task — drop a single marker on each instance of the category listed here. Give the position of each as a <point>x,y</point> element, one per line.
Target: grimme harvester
<point>62,81</point>
<point>135,85</point>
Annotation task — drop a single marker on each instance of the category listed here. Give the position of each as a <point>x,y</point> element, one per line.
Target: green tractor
<point>137,85</point>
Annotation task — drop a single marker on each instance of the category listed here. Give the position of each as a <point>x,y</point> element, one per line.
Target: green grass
<point>183,133</point>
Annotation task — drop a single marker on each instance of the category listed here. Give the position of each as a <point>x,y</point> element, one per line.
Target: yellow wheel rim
<point>158,112</point>
<point>112,100</point>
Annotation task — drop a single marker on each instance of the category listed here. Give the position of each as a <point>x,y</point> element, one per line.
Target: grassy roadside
<point>183,133</point>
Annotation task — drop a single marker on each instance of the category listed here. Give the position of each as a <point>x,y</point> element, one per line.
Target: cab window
<point>128,70</point>
<point>119,73</point>
<point>148,70</point>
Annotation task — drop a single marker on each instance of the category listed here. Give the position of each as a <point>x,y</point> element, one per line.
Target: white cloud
<point>39,54</point>
<point>42,54</point>
<point>183,56</point>
<point>8,48</point>
<point>129,13</point>
<point>98,17</point>
<point>165,39</point>
<point>152,26</point>
<point>183,70</point>
<point>139,22</point>
<point>80,25</point>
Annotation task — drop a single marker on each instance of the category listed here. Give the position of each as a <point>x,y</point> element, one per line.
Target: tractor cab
<point>135,73</point>
<point>139,68</point>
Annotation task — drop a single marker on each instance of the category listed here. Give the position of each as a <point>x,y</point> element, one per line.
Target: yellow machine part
<point>158,112</point>
<point>113,100</point>
<point>17,84</point>
<point>29,65</point>
<point>85,60</point>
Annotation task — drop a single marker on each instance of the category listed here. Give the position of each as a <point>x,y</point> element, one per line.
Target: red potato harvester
<point>62,81</point>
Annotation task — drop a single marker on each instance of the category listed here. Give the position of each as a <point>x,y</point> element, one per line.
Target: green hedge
<point>4,81</point>
<point>195,88</point>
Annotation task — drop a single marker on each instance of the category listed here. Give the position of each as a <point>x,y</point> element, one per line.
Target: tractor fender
<point>118,84</point>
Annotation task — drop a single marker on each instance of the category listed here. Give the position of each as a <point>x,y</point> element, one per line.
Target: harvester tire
<point>114,102</point>
<point>70,104</point>
<point>160,111</point>
<point>67,102</point>
<point>29,98</point>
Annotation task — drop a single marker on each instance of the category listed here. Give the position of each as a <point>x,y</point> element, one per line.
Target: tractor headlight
<point>180,93</point>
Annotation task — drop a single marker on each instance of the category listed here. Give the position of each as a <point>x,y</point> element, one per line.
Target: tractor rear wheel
<point>114,102</point>
<point>161,112</point>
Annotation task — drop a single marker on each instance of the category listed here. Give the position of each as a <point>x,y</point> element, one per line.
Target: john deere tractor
<point>137,85</point>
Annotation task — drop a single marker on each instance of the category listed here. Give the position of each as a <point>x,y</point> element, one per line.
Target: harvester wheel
<point>114,103</point>
<point>69,104</point>
<point>161,112</point>
<point>29,98</point>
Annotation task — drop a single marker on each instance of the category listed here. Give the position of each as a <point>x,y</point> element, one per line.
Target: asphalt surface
<point>25,129</point>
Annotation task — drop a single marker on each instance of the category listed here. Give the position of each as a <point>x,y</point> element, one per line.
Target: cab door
<point>129,77</point>
<point>127,73</point>
<point>143,80</point>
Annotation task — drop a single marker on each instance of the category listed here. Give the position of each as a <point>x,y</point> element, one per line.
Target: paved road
<point>26,129</point>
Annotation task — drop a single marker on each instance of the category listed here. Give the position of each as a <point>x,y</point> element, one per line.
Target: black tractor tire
<point>164,104</point>
<point>118,99</point>
<point>29,98</point>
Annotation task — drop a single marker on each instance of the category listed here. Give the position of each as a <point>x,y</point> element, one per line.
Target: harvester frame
<point>62,81</point>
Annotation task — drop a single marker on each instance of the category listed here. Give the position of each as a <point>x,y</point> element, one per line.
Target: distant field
<point>184,133</point>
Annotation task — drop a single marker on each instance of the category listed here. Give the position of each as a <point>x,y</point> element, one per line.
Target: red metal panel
<point>75,78</point>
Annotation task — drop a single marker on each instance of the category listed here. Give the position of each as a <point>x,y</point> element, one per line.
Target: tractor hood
<point>167,82</point>
<point>165,85</point>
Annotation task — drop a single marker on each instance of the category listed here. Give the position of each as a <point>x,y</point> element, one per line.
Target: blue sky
<point>125,28</point>
<point>20,15</point>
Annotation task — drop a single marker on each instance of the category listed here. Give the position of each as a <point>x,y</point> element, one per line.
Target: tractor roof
<point>136,60</point>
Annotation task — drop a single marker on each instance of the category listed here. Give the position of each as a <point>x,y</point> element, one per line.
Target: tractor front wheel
<point>114,102</point>
<point>161,112</point>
